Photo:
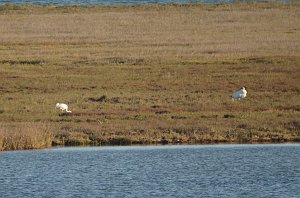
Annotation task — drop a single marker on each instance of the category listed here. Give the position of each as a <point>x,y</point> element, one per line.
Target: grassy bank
<point>150,74</point>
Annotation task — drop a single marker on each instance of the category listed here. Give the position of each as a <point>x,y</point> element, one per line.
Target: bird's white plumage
<point>62,107</point>
<point>240,94</point>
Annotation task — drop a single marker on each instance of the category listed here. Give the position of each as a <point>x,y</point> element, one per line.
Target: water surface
<point>153,171</point>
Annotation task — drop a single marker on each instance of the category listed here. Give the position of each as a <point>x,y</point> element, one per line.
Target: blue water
<point>153,171</point>
<point>115,2</point>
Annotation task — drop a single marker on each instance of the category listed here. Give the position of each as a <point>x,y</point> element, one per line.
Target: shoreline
<point>156,145</point>
<point>127,142</point>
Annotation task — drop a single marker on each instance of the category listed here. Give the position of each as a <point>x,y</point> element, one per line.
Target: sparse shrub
<point>102,98</point>
<point>119,140</point>
<point>76,139</point>
<point>22,62</point>
<point>229,116</point>
<point>293,125</point>
<point>115,100</point>
<point>242,126</point>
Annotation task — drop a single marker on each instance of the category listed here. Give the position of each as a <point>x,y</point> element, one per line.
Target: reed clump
<point>25,136</point>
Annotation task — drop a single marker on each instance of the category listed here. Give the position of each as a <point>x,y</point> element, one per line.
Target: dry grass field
<point>149,74</point>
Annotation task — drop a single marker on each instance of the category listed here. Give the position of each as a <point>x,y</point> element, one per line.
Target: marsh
<point>164,72</point>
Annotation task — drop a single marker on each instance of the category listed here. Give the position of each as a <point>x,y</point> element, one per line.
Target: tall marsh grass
<point>25,136</point>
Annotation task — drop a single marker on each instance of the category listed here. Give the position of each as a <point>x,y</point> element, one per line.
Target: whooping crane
<point>240,94</point>
<point>62,107</point>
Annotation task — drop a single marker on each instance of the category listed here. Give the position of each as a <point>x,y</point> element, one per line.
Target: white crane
<point>62,107</point>
<point>240,94</point>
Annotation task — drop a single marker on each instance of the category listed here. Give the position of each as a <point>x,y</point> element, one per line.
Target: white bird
<point>62,107</point>
<point>240,94</point>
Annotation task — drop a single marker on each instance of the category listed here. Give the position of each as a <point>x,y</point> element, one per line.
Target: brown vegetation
<point>25,136</point>
<point>151,74</point>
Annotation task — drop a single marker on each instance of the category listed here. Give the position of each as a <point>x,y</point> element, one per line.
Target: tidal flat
<point>149,74</point>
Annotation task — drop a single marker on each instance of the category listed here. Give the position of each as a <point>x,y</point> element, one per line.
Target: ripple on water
<point>153,171</point>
